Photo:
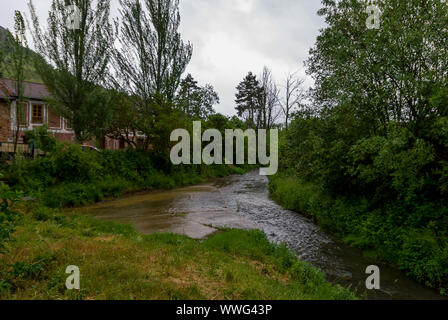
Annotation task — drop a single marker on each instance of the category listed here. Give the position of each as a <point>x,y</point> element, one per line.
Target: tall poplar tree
<point>76,50</point>
<point>16,54</point>
<point>149,64</point>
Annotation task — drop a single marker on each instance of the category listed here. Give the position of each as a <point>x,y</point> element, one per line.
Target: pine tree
<point>248,98</point>
<point>188,95</point>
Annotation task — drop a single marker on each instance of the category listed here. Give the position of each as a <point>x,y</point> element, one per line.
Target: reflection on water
<point>193,211</point>
<point>244,202</point>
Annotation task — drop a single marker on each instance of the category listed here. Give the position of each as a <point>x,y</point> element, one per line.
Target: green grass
<point>420,253</point>
<point>116,262</point>
<point>68,177</point>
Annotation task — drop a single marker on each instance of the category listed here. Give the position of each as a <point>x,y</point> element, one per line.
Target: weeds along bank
<point>115,261</point>
<point>420,252</point>
<point>386,195</point>
<point>69,177</point>
<point>38,243</point>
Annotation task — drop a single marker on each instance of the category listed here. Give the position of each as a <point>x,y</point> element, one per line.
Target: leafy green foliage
<point>247,100</point>
<point>369,161</point>
<point>196,102</point>
<point>69,177</point>
<point>148,67</point>
<point>71,164</point>
<point>8,217</point>
<point>73,63</point>
<point>41,139</point>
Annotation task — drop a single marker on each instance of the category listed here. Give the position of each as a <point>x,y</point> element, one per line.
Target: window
<point>54,120</point>
<point>21,113</point>
<point>38,114</point>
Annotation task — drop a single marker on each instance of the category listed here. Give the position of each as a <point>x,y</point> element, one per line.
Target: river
<point>244,202</point>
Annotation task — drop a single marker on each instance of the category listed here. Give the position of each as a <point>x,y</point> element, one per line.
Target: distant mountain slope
<point>3,33</point>
<point>30,73</point>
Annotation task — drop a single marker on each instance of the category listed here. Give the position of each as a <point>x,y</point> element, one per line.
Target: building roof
<point>32,90</point>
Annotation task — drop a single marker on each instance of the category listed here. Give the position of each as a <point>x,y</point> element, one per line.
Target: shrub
<point>42,139</point>
<point>71,164</point>
<point>71,195</point>
<point>31,175</point>
<point>8,217</point>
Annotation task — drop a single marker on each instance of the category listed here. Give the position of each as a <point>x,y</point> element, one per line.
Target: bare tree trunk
<point>294,95</point>
<point>269,103</point>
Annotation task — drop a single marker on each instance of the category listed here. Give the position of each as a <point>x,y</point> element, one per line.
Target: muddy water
<point>244,202</point>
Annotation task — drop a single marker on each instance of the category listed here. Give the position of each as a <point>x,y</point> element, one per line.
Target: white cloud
<point>244,5</point>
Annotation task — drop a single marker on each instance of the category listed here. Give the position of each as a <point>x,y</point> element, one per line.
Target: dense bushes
<point>8,216</point>
<point>383,193</point>
<point>70,177</point>
<point>369,159</point>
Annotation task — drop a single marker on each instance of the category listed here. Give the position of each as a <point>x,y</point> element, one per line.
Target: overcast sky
<point>231,37</point>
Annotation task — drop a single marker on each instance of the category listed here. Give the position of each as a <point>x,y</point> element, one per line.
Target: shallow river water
<point>244,202</point>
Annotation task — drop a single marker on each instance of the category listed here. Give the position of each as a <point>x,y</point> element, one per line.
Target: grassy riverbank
<point>69,177</point>
<point>116,262</point>
<point>416,251</point>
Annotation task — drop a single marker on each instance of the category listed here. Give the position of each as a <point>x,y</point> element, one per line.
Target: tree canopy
<point>75,51</point>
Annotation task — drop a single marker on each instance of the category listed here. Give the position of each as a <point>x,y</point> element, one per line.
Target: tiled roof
<point>32,90</point>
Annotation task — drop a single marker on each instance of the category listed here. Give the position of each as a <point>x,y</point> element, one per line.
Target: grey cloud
<point>232,37</point>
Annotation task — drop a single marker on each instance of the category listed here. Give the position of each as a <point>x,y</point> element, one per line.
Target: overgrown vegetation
<point>369,160</point>
<point>8,217</point>
<point>140,98</point>
<point>116,262</point>
<point>68,176</point>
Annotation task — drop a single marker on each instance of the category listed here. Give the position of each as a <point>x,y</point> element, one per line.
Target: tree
<point>15,49</point>
<point>248,98</point>
<point>219,122</point>
<point>124,117</point>
<point>269,99</point>
<point>150,62</point>
<point>196,101</point>
<point>3,33</point>
<point>295,94</point>
<point>382,75</point>
<point>208,97</point>
<point>75,51</point>
<point>188,95</point>
<point>377,147</point>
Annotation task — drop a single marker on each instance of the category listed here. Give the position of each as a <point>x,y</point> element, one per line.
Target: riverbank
<point>117,262</point>
<point>418,255</point>
<point>69,177</point>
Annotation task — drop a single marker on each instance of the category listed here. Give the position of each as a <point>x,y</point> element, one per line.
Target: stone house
<point>36,113</point>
